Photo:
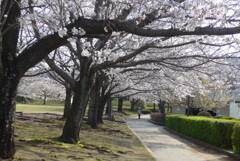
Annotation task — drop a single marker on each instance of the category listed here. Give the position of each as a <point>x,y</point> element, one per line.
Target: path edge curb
<point>145,145</point>
<point>206,145</point>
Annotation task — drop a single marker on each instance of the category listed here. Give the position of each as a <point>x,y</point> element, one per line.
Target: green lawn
<point>38,108</point>
<point>37,140</point>
<point>37,101</point>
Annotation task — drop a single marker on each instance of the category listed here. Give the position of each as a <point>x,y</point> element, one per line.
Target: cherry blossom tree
<point>41,87</point>
<point>61,21</point>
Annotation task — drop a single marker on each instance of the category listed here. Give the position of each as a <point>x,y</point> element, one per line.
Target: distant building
<point>223,111</point>
<point>234,108</point>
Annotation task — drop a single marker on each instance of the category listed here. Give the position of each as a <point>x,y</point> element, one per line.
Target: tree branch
<point>60,72</point>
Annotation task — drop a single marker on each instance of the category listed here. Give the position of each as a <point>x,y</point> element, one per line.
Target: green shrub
<point>23,100</point>
<point>140,103</point>
<point>214,131</point>
<point>204,113</point>
<point>236,138</point>
<point>145,111</point>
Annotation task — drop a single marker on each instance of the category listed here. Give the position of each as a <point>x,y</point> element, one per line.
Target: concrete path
<point>165,146</point>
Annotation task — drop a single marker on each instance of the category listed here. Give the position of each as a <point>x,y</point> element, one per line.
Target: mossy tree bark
<point>82,90</point>
<point>9,75</point>
<point>67,104</point>
<point>102,102</point>
<point>109,107</point>
<point>94,104</point>
<point>120,104</point>
<point>161,105</point>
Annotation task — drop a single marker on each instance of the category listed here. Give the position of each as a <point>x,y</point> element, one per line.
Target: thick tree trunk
<point>161,105</point>
<point>71,129</point>
<point>7,113</point>
<point>82,90</point>
<point>93,106</point>
<point>106,111</point>
<point>120,104</point>
<point>109,107</point>
<point>67,104</point>
<point>9,76</point>
<point>102,102</point>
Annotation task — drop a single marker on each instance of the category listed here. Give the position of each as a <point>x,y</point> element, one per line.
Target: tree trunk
<point>102,102</point>
<point>82,90</point>
<point>133,103</point>
<point>67,104</point>
<point>168,107</point>
<point>9,76</point>
<point>7,113</point>
<point>189,108</point>
<point>71,129</point>
<point>154,107</point>
<point>93,105</point>
<point>132,106</point>
<point>120,104</point>
<point>109,107</point>
<point>107,110</point>
<point>161,105</point>
<point>44,99</point>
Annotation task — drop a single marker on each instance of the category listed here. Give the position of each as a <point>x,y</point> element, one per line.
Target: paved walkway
<point>165,146</point>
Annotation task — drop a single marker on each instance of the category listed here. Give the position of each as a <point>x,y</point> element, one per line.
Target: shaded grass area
<point>38,108</point>
<point>36,139</point>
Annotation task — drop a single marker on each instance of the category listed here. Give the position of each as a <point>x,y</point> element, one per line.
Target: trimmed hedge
<point>229,118</point>
<point>218,132</point>
<point>204,113</point>
<point>236,138</point>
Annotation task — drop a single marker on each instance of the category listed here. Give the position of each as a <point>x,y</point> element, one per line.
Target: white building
<point>235,109</point>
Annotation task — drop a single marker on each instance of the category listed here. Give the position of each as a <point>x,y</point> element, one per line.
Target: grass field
<point>38,108</point>
<point>37,135</point>
<point>37,101</point>
<point>52,106</point>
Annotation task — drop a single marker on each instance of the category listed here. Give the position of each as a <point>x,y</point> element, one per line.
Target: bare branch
<point>60,72</point>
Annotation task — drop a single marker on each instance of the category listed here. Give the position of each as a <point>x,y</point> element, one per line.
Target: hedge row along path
<point>165,146</point>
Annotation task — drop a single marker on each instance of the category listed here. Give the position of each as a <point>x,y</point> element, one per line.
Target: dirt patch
<point>37,135</point>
